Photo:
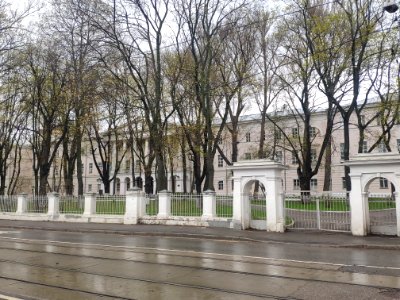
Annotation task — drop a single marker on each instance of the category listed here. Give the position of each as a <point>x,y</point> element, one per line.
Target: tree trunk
<point>79,164</point>
<point>328,166</point>
<point>346,133</point>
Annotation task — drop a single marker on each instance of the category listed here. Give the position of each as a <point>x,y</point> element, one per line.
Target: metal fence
<point>72,204</point>
<point>8,203</point>
<point>151,204</point>
<point>224,206</point>
<point>187,205</point>
<point>110,205</point>
<point>324,211</point>
<point>382,209</point>
<point>37,204</point>
<point>258,206</point>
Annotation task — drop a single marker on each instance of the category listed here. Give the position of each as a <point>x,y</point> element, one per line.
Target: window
<point>295,161</point>
<point>90,168</point>
<point>119,146</point>
<point>137,166</point>
<point>233,184</point>
<point>55,169</point>
<point>247,156</point>
<point>89,187</point>
<point>313,132</point>
<point>382,147</point>
<point>99,187</point>
<point>220,185</point>
<point>313,155</point>
<point>383,183</point>
<point>248,139</point>
<point>295,132</point>
<point>314,184</point>
<point>342,150</point>
<point>220,161</point>
<point>365,147</point>
<point>278,156</point>
<point>344,183</point>
<point>220,141</point>
<point>378,121</point>
<point>296,184</point>
<point>398,145</point>
<point>278,134</point>
<point>127,165</point>
<point>362,119</point>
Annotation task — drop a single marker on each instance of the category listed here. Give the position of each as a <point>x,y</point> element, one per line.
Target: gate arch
<point>364,168</point>
<point>267,172</point>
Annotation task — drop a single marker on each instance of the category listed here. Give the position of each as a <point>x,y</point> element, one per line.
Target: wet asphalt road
<point>38,264</point>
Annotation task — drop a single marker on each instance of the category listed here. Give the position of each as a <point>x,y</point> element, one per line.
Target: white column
<point>90,204</point>
<point>209,205</point>
<point>237,217</point>
<point>22,204</point>
<point>164,204</point>
<point>275,208</point>
<point>397,197</point>
<point>358,207</point>
<point>122,187</point>
<point>54,204</point>
<point>135,206</point>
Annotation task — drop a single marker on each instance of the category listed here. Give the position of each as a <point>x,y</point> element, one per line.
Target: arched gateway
<point>364,169</point>
<point>269,175</point>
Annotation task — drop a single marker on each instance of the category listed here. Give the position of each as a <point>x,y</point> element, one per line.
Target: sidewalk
<point>317,238</point>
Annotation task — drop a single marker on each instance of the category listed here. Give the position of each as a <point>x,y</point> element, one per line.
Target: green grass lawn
<point>259,213</point>
<point>110,207</point>
<point>323,205</point>
<point>188,208</point>
<point>338,205</point>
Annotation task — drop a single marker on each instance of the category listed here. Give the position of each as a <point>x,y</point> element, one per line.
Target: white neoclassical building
<point>248,143</point>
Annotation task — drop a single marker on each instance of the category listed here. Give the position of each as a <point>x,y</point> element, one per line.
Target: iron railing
<point>37,204</point>
<point>187,205</point>
<point>72,204</point>
<point>110,205</point>
<point>8,203</point>
<point>224,206</point>
<point>323,211</point>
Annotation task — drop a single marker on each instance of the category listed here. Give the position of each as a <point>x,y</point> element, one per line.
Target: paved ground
<point>52,260</point>
<point>324,238</point>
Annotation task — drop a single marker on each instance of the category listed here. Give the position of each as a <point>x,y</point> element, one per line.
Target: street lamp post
<point>391,7</point>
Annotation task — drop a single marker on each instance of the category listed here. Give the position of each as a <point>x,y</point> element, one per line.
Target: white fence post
<point>209,205</point>
<point>90,204</point>
<point>135,206</point>
<point>164,204</point>
<point>22,204</point>
<point>318,212</point>
<point>54,204</point>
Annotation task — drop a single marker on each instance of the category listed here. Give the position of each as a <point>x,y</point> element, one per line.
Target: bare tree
<point>49,111</point>
<point>135,30</point>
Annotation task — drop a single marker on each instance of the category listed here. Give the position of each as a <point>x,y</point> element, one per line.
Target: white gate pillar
<point>397,197</point>
<point>275,210</point>
<point>239,217</point>
<point>358,207</point>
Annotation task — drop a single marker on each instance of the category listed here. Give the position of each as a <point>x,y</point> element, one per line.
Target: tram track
<point>174,265</point>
